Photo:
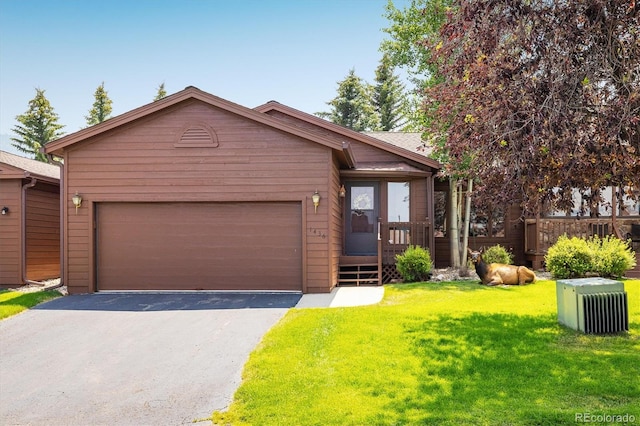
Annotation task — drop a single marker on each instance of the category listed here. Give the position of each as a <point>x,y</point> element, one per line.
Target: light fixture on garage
<point>316,201</point>
<point>5,210</point>
<point>77,201</point>
<point>342,192</point>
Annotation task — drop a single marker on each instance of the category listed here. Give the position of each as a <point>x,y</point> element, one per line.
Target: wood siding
<point>336,227</point>
<point>10,249</point>
<point>43,232</point>
<point>252,162</point>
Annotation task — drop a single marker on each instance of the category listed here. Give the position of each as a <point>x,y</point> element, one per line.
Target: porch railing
<point>542,233</point>
<point>395,237</point>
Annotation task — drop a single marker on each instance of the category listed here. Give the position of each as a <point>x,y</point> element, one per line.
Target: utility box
<point>593,305</point>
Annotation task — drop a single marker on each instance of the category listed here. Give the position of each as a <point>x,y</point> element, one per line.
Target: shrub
<point>414,264</point>
<point>577,257</point>
<point>611,256</point>
<point>569,258</point>
<point>497,254</point>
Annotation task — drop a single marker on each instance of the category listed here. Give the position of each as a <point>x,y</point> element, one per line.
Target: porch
<point>393,238</point>
<point>542,233</point>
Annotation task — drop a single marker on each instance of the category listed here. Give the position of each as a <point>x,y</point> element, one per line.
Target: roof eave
<point>57,146</point>
<point>275,106</point>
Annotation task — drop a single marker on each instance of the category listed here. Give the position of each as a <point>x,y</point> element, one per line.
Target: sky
<point>246,51</point>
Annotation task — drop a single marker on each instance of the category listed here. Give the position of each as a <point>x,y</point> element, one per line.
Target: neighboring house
<point>29,220</point>
<point>196,192</point>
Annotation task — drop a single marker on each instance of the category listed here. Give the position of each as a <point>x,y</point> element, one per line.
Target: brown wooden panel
<point>10,238</point>
<point>189,246</point>
<point>43,234</point>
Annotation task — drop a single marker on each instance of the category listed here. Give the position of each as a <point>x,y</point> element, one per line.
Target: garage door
<point>199,246</point>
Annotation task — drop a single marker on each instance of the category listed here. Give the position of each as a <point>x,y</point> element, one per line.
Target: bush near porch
<point>440,353</point>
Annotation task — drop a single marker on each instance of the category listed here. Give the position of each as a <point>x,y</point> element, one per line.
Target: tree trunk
<point>467,220</point>
<point>454,234</point>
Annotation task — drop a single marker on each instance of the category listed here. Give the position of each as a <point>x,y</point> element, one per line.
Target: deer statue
<point>499,273</point>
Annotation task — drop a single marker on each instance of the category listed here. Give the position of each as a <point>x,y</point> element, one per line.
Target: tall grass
<point>448,353</point>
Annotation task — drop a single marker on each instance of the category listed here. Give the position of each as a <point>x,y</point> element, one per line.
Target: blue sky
<point>246,51</point>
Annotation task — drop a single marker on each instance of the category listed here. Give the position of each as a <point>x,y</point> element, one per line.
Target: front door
<point>362,209</point>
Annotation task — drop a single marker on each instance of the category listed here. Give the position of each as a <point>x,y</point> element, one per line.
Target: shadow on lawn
<point>521,369</point>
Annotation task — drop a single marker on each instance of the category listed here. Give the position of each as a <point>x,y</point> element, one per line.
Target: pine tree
<point>38,126</point>
<point>389,99</point>
<point>161,93</point>
<point>353,106</point>
<point>101,107</point>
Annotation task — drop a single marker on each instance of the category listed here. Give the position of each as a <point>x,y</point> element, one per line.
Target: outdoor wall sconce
<point>316,201</point>
<point>77,201</point>
<point>5,210</point>
<point>342,192</point>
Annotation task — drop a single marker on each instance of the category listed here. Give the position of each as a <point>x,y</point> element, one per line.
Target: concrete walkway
<point>343,297</point>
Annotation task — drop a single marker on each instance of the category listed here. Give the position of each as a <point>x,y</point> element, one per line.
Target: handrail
<point>395,237</point>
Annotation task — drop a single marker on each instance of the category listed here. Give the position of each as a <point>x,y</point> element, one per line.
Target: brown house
<point>29,220</point>
<point>196,192</point>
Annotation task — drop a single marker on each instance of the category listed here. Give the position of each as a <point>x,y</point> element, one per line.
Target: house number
<point>317,233</point>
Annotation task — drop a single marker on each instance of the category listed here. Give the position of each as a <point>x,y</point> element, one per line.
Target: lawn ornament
<point>499,273</point>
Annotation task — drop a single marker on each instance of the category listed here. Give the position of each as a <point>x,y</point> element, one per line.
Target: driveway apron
<point>130,358</point>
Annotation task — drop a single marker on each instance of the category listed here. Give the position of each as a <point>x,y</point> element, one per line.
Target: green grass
<point>14,302</point>
<point>443,353</point>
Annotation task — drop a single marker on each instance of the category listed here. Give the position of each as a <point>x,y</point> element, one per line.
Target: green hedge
<point>578,257</point>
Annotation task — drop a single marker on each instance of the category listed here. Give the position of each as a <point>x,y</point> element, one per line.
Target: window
<point>487,222</point>
<point>398,202</point>
<point>440,207</point>
<point>362,209</point>
<point>601,205</point>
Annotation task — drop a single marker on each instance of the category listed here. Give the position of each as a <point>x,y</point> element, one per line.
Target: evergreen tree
<point>161,93</point>
<point>389,98</point>
<point>38,126</point>
<point>353,107</point>
<point>101,107</point>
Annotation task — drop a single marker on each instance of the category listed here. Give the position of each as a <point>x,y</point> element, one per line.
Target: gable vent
<point>200,136</point>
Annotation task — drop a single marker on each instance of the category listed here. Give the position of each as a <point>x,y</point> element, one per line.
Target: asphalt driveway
<point>130,359</point>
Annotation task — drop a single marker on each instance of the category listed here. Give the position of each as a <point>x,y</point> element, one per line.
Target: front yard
<point>441,353</point>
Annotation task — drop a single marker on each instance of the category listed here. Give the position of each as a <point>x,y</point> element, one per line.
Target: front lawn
<point>440,353</point>
<point>13,302</point>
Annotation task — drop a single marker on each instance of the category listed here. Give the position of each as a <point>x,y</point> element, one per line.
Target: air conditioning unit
<point>593,305</point>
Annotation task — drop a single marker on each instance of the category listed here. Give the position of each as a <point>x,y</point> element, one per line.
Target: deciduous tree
<point>541,96</point>
<point>37,126</point>
<point>412,30</point>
